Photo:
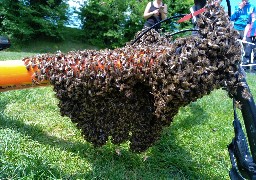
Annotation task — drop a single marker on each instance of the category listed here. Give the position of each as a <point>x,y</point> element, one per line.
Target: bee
<point>28,67</point>
<point>246,94</point>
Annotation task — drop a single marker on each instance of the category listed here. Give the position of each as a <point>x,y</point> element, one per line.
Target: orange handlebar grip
<point>14,74</point>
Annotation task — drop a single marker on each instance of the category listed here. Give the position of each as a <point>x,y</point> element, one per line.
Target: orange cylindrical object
<point>15,75</point>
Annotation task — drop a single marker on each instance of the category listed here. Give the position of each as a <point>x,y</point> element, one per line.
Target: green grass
<point>10,55</point>
<point>37,143</point>
<point>47,46</point>
<point>73,41</point>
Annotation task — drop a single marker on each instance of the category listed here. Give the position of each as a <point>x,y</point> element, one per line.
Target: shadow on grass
<point>169,155</point>
<point>167,159</point>
<point>194,116</point>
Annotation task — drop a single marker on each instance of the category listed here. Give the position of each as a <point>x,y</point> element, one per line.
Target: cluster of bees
<point>132,93</point>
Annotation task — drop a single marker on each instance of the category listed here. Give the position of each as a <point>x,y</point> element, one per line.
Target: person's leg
<point>247,54</point>
<point>254,53</point>
<point>249,49</point>
<point>241,35</point>
<point>254,59</point>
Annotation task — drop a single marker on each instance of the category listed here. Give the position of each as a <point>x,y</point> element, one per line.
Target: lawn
<point>37,143</point>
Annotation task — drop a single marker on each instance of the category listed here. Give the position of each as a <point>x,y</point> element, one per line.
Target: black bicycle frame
<point>242,159</point>
<point>148,29</point>
<point>243,164</point>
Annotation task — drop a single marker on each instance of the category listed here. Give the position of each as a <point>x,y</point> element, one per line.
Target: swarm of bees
<point>132,93</point>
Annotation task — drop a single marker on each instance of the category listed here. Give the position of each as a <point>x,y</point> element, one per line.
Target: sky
<point>233,3</point>
<point>75,4</point>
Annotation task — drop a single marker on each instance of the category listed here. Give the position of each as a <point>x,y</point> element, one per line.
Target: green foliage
<point>72,41</point>
<point>113,23</point>
<point>108,23</point>
<point>177,7</point>
<point>27,19</point>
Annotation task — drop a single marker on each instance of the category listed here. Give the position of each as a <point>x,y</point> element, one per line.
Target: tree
<point>26,19</point>
<point>112,23</point>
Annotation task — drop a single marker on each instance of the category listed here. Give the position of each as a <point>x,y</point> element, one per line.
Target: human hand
<point>156,12</point>
<point>161,9</point>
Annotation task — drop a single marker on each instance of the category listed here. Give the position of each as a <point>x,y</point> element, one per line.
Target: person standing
<point>240,16</point>
<point>155,12</point>
<point>250,37</point>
